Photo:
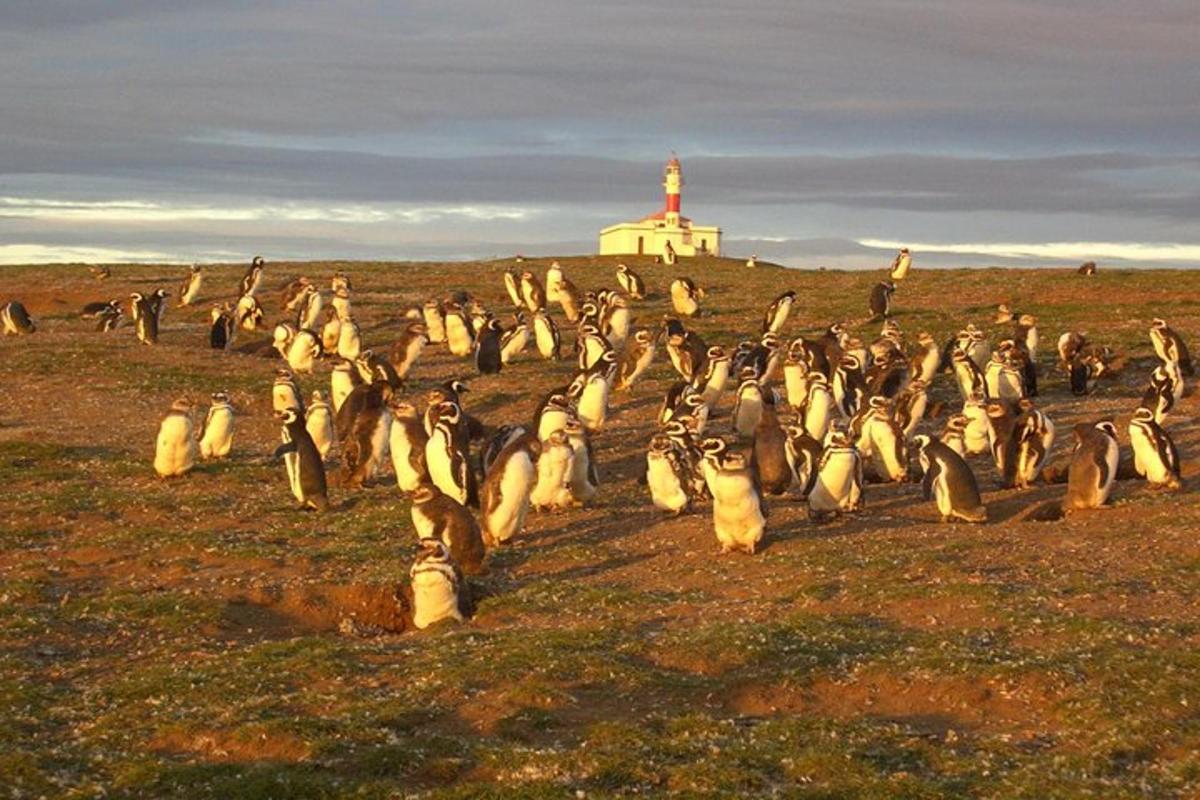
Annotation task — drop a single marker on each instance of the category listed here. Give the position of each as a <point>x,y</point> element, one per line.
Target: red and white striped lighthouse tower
<point>672,182</point>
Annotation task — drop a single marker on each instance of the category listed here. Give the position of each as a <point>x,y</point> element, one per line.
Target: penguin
<point>1034,433</point>
<point>592,346</point>
<point>365,446</point>
<point>507,490</point>
<point>887,376</point>
<point>175,448</point>
<point>158,304</point>
<point>435,515</point>
<point>630,282</point>
<point>285,392</point>
<point>460,335</point>
<point>190,287</point>
<point>446,456</point>
<point>615,322</point>
<point>849,386</point>
<point>739,514</point>
<point>884,441</point>
<point>1093,466</point>
<point>1154,455</point>
<point>216,436</point>
<point>974,343</point>
<point>305,470</point>
<point>249,313</point>
<point>487,349</point>
<point>910,406</point>
<point>900,265</point>
<point>839,481</point>
<point>552,416</point>
<point>1001,380</point>
<point>1069,345</point>
<point>479,316</point>
<point>954,434</point>
<point>880,301</point>
<point>304,351</point>
<point>977,433</point>
<point>100,273</point>
<point>546,337</point>
<point>668,475</point>
<point>1160,395</point>
<point>949,482</point>
<point>110,319</point>
<point>777,313</point>
<point>514,340</point>
<point>686,350</point>
<point>292,293</point>
<point>685,297</point>
<point>818,406</point>
<point>407,442</point>
<point>1086,268</point>
<point>571,300</point>
<point>584,479</point>
<point>16,320</point>
<point>1081,371</point>
<point>533,294</point>
<point>772,469</point>
<point>795,375</point>
<point>925,362</point>
<point>592,403</point>
<point>512,286</point>
<point>501,438</point>
<point>318,421</point>
<point>552,491</point>
<point>408,348</point>
<point>971,381</point>
<point>222,328</point>
<point>252,279</point>
<point>343,380</point>
<point>349,344</point>
<point>99,308</point>
<point>339,282</point>
<point>636,358</point>
<point>747,408</point>
<point>437,590</point>
<point>1027,333</point>
<point>282,336</point>
<point>308,314</point>
<point>803,455</point>
<point>435,321</point>
<point>145,319</point>
<point>554,282</point>
<point>1170,347</point>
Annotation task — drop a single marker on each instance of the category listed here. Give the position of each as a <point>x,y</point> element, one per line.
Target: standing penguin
<point>349,344</point>
<point>407,441</point>
<point>804,456</point>
<point>446,456</point>
<point>438,516</point>
<point>592,393</point>
<point>249,313</point>
<point>252,279</point>
<point>1034,435</point>
<point>739,514</point>
<point>636,358</point>
<point>223,327</point>
<point>1169,346</point>
<point>145,317</point>
<point>630,282</point>
<point>818,406</point>
<point>487,349</point>
<point>504,499</point>
<point>949,481</point>
<point>285,392</point>
<point>175,448</point>
<point>770,462</point>
<point>1160,394</point>
<point>880,301</point>
<point>318,421</point>
<point>1093,466</point>
<point>839,481</point>
<point>668,475</point>
<point>301,459</point>
<point>366,444</point>
<point>545,336</point>
<point>685,297</point>
<point>554,282</point>
<point>747,408</point>
<point>1154,454</point>
<point>435,321</point>
<point>777,313</point>
<point>553,488</point>
<point>460,335</point>
<point>190,287</point>
<point>533,294</point>
<point>437,590</point>
<point>216,437</point>
<point>954,434</point>
<point>408,348</point>
<point>514,340</point>
<point>900,265</point>
<point>16,320</point>
<point>584,479</point>
<point>512,286</point>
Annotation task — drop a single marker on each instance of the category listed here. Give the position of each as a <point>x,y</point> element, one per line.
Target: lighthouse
<point>663,231</point>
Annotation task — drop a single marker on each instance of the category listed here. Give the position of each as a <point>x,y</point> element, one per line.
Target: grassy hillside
<point>201,638</point>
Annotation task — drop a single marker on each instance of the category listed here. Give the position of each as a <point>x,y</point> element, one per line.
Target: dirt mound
<point>278,612</point>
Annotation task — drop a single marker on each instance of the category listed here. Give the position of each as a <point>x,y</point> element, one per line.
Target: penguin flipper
<point>283,449</point>
<point>930,475</point>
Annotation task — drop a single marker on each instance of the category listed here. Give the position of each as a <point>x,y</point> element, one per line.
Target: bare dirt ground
<point>201,638</point>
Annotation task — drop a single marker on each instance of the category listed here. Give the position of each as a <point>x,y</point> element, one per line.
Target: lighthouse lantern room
<point>665,233</point>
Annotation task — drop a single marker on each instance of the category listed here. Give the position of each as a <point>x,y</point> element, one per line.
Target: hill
<point>201,638</point>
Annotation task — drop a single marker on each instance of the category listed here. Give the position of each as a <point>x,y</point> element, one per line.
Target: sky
<point>976,132</point>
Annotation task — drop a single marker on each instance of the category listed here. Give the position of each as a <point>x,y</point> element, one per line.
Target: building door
<point>641,246</point>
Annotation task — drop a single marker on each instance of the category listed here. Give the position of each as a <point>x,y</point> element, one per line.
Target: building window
<point>641,245</point>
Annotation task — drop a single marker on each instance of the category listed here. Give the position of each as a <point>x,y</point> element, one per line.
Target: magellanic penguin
<point>252,279</point>
<point>668,475</point>
<point>505,497</point>
<point>308,314</point>
<point>880,301</point>
<point>967,375</point>
<point>615,321</point>
<point>223,327</point>
<point>591,399</point>
<point>366,444</point>
<point>190,287</point>
<point>1170,347</point>
<point>487,348</point>
<point>839,484</point>
<point>554,282</point>
<point>293,292</point>
<point>686,297</point>
<point>533,294</point>
<point>437,590</point>
<point>977,433</point>
<point>285,392</point>
<point>818,406</point>
<point>571,300</point>
<point>711,382</point>
<point>552,491</point>
<point>630,282</point>
<point>1034,434</point>
<point>435,321</point>
<point>900,265</point>
<point>501,438</point>
<point>1086,268</point>
<point>447,459</point>
<point>1093,466</point>
<point>776,315</point>
<point>318,421</point>
<point>795,375</point>
<point>927,358</point>
<point>591,345</point>
<point>460,335</point>
<point>1003,440</point>
<point>514,340</point>
<point>407,441</point>
<point>546,337</point>
<point>158,303</point>
<point>883,441</point>
<point>302,460</point>
<point>584,479</point>
<point>408,348</point>
<point>637,356</point>
<point>739,513</point>
<point>910,406</point>
<point>949,481</point>
<point>1154,454</point>
<point>552,416</point>
<point>1161,393</point>
<point>849,385</point>
<point>769,460</point>
<point>349,344</point>
<point>216,437</point>
<point>145,318</point>
<point>804,456</point>
<point>438,516</point>
<point>954,434</point>
<point>512,286</point>
<point>175,448</point>
<point>16,320</point>
<point>303,352</point>
<point>747,407</point>
<point>249,313</point>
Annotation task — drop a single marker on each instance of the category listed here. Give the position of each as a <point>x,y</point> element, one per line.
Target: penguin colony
<point>812,419</point>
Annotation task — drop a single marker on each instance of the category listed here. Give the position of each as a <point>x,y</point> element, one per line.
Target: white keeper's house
<point>665,233</point>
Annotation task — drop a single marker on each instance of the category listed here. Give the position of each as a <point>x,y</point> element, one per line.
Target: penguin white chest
<point>508,518</point>
<point>749,412</point>
<point>435,598</point>
<point>218,433</point>
<point>319,424</point>
<point>175,448</point>
<point>666,491</point>
<point>593,403</point>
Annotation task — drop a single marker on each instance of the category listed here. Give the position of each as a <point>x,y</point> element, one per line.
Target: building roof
<point>661,215</point>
